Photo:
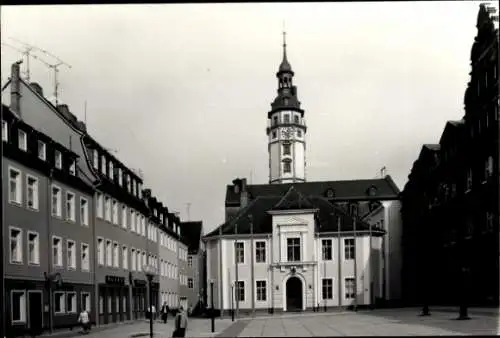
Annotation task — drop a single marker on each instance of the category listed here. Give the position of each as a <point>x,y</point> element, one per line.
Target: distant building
<point>192,232</point>
<point>453,193</point>
<point>290,245</point>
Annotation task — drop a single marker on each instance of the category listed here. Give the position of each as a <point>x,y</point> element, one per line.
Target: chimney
<point>15,87</point>
<point>146,193</point>
<point>37,88</point>
<point>244,193</point>
<point>237,185</point>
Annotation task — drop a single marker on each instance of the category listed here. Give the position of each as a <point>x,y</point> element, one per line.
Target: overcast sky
<point>182,91</point>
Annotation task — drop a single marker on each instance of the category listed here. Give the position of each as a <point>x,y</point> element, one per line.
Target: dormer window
<point>139,188</point>
<point>372,191</point>
<point>22,140</point>
<point>72,168</point>
<point>103,164</point>
<point>42,151</point>
<point>58,159</point>
<point>330,193</point>
<point>111,173</point>
<point>132,187</point>
<point>95,159</point>
<point>120,177</point>
<point>5,131</point>
<point>161,218</point>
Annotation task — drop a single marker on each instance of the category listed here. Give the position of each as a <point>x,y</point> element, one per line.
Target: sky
<point>182,91</point>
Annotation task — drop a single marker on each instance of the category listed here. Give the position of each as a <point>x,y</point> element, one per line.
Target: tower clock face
<point>287,132</point>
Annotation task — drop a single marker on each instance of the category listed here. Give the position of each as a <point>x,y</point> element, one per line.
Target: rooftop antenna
<point>54,66</point>
<point>26,53</point>
<point>85,112</point>
<point>382,171</point>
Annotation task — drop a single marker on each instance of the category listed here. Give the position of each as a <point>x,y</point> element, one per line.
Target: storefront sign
<point>115,280</point>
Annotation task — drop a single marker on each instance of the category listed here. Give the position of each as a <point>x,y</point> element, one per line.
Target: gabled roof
<point>192,232</point>
<point>327,215</point>
<point>293,200</point>
<point>450,128</point>
<point>385,188</point>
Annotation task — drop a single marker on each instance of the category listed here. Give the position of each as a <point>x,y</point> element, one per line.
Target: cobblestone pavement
<point>400,322</point>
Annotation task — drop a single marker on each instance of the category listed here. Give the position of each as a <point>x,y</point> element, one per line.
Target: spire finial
<point>284,39</point>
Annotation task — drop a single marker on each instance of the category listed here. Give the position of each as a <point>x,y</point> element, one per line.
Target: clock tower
<point>286,129</point>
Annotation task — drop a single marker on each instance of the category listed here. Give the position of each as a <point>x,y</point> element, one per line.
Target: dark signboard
<point>139,282</point>
<point>115,280</point>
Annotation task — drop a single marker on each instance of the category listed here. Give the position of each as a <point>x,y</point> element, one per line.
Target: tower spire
<point>284,41</point>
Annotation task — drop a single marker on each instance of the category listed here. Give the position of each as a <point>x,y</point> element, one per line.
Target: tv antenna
<point>53,66</point>
<point>25,53</point>
<point>188,207</point>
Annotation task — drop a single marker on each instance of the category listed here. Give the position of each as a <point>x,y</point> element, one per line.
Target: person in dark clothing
<point>164,312</point>
<point>180,324</point>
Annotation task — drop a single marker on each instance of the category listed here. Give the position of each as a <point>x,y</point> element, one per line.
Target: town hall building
<point>296,245</point>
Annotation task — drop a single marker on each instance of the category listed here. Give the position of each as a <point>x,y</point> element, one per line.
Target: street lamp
<point>232,301</point>
<point>150,272</point>
<point>212,301</point>
<point>463,312</point>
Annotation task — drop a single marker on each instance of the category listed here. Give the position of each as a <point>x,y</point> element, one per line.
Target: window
<point>132,220</point>
<point>70,206</point>
<point>120,177</point>
<point>144,259</point>
<point>72,167</point>
<point>22,140</point>
<point>125,257</point>
<point>273,134</point>
<point>261,291</point>
<point>107,208</point>
<point>296,119</point>
<point>71,248</point>
<point>16,245</point>
<point>18,306</point>
<point>109,253</point>
<point>15,186</point>
<point>287,167</point>
<point>124,216</point>
<point>349,248</point>
<point>42,151</point>
<point>133,259</point>
<point>99,205</point>
<point>32,192</point>
<point>103,164</point>
<point>350,288</point>
<point>100,251</point>
<point>143,226</point>
<point>58,159</point>
<point>489,167</point>
<point>84,211</point>
<point>260,252</point>
<point>59,303</point>
<point>139,260</point>
<point>56,201</point>
<point>85,263</point>
<point>239,252</point>
<point>286,149</point>
<point>326,246</point>
<point>85,305</point>
<point>111,172</point>
<point>115,212</point>
<point>299,133</point>
<point>190,260</point>
<point>275,120</point>
<point>293,246</point>
<point>95,160</point>
<point>286,118</point>
<point>327,284</point>
<point>190,283</point>
<point>71,302</point>
<point>33,248</point>
<point>489,222</point>
<point>469,180</point>
<point>5,131</point>
<point>240,291</point>
<point>57,251</point>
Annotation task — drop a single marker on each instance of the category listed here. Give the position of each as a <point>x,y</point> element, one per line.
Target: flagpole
<point>221,307</point>
<point>236,285</point>
<point>252,264</point>
<point>339,260</point>
<point>355,267</point>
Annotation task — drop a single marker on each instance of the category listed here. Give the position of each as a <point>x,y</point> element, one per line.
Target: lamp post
<point>212,301</point>
<point>463,311</point>
<point>150,272</point>
<point>232,302</point>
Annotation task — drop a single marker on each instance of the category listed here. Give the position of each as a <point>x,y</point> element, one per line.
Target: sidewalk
<point>478,311</point>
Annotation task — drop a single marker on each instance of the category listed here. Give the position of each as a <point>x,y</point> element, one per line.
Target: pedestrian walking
<point>84,320</point>
<point>164,312</point>
<point>180,324</point>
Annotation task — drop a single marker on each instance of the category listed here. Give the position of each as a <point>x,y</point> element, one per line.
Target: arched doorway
<point>293,294</point>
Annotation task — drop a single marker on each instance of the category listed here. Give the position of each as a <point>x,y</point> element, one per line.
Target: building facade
<point>47,214</point>
<point>453,191</point>
<point>92,208</point>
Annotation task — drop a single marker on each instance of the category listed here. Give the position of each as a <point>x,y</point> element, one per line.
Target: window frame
<point>5,131</point>
<point>190,281</point>
<point>22,307</point>
<point>350,294</point>
<point>69,262</point>
<point>24,145</point>
<point>124,257</point>
<point>36,192</point>
<point>294,246</point>
<point>239,254</point>
<point>70,214</point>
<point>324,255</point>
<point>37,246</point>
<point>101,251</point>
<point>84,267</point>
<point>58,205</point>
<point>75,302</point>
<point>63,302</point>
<point>20,244</point>
<point>19,186</point>
<point>287,167</point>
<point>262,250</point>
<point>83,304</point>
<point>351,255</point>
<point>257,288</point>
<point>240,291</point>
<point>109,253</point>
<point>327,285</point>
<point>58,159</point>
<point>84,209</point>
